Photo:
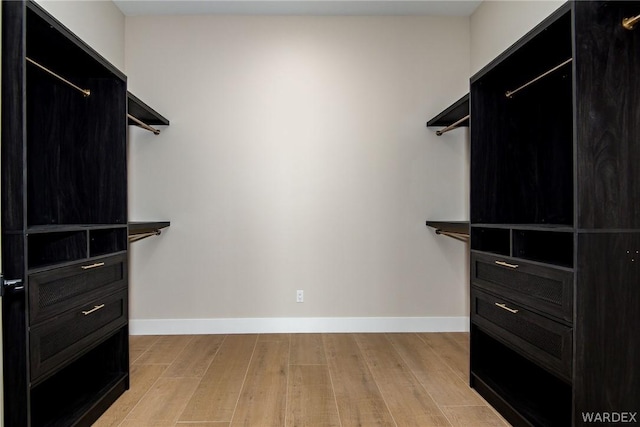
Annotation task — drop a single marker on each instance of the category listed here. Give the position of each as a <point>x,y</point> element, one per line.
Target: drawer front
<point>547,289</point>
<point>55,291</point>
<point>542,340</point>
<point>63,338</point>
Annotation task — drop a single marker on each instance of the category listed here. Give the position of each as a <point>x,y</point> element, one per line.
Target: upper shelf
<point>456,229</point>
<point>140,114</point>
<point>139,230</point>
<point>456,115</point>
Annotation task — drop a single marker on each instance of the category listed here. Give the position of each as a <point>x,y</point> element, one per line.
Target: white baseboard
<point>297,325</point>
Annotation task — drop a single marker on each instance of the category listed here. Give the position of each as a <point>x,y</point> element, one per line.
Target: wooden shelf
<point>456,112</point>
<point>142,111</point>
<point>139,230</point>
<point>141,115</point>
<point>456,229</point>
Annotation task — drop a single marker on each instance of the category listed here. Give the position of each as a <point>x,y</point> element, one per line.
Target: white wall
<point>496,25</point>
<point>297,158</point>
<point>99,23</point>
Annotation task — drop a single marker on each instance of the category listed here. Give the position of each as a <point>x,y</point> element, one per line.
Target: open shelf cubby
<point>552,247</point>
<point>517,383</point>
<point>57,247</point>
<point>105,241</point>
<point>494,240</point>
<point>69,394</point>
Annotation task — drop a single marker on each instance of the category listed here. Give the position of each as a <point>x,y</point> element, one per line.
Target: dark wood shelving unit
<point>456,229</point>
<point>65,323</point>
<point>554,185</point>
<point>456,114</point>
<point>139,230</point>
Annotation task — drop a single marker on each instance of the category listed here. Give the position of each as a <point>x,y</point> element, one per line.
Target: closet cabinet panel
<point>13,119</point>
<point>607,346</point>
<point>13,245</point>
<point>608,116</point>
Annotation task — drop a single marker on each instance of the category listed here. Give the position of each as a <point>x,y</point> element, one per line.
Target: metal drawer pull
<point>96,308</point>
<point>504,306</point>
<point>97,264</point>
<point>506,264</point>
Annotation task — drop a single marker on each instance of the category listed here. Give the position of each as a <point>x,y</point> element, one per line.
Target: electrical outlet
<point>299,295</point>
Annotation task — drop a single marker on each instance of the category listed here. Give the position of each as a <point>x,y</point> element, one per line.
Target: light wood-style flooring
<point>313,380</point>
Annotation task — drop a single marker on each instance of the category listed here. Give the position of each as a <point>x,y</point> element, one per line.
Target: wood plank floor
<point>292,380</point>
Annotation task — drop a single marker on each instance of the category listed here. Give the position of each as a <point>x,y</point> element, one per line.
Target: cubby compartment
<point>552,247</point>
<point>68,397</point>
<point>494,240</point>
<point>106,241</point>
<point>511,382</point>
<point>56,247</point>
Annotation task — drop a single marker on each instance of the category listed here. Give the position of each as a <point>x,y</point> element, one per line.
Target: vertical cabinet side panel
<point>16,402</point>
<point>607,374</point>
<point>607,115</point>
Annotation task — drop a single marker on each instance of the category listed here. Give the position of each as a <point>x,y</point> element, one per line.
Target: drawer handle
<point>97,264</point>
<point>504,306</point>
<point>94,309</point>
<point>506,264</point>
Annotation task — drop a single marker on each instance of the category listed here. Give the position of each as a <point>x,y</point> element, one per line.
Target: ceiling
<point>297,7</point>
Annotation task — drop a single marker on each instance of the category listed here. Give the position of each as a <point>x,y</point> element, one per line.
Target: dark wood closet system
<point>64,224</point>
<point>555,221</point>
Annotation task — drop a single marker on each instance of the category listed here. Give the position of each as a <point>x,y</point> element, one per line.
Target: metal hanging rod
<point>629,23</point>
<point>510,93</point>
<point>459,236</point>
<point>452,125</point>
<point>144,125</point>
<point>85,92</point>
<point>136,237</point>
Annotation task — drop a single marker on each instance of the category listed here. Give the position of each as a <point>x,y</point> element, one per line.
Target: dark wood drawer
<point>542,340</point>
<point>55,291</point>
<point>65,337</point>
<point>543,288</point>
